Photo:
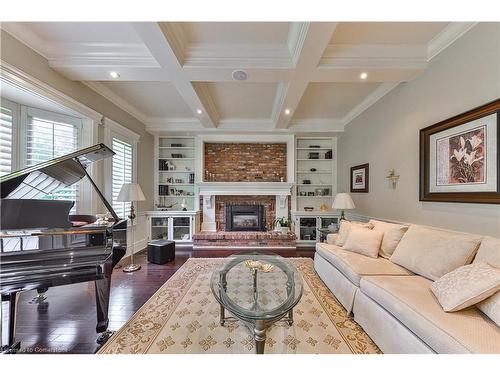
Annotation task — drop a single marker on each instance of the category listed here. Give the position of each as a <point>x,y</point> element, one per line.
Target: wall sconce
<point>393,177</point>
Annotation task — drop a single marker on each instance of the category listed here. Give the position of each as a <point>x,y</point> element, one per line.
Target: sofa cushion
<point>363,241</point>
<point>410,300</point>
<point>331,238</point>
<point>432,252</point>
<point>392,235</point>
<point>466,286</point>
<point>489,251</point>
<point>353,265</point>
<point>345,227</point>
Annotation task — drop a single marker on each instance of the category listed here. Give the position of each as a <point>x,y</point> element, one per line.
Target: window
<point>122,173</point>
<point>48,136</point>
<point>6,144</point>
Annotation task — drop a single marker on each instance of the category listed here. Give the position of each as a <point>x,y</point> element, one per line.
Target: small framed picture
<point>360,178</point>
<point>460,157</point>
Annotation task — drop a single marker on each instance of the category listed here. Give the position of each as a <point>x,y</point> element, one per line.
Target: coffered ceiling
<point>300,76</point>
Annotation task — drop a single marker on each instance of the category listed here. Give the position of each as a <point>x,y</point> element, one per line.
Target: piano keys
<point>40,249</point>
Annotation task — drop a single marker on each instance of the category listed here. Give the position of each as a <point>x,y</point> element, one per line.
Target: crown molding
<point>259,124</point>
<point>20,79</point>
<point>26,36</point>
<point>131,55</point>
<point>296,37</point>
<point>370,100</point>
<point>244,126</point>
<point>317,125</point>
<point>412,56</point>
<point>116,100</point>
<point>452,32</point>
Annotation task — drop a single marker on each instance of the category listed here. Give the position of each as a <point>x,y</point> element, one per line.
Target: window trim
<point>112,130</point>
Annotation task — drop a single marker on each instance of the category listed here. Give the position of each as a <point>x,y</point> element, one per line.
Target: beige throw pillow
<point>345,227</point>
<point>489,251</point>
<point>432,252</point>
<point>392,235</point>
<point>466,286</point>
<point>364,241</point>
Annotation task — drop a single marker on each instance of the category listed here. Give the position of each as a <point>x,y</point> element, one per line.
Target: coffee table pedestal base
<point>258,328</point>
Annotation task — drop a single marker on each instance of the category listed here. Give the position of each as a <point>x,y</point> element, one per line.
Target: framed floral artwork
<point>460,157</point>
<point>360,178</point>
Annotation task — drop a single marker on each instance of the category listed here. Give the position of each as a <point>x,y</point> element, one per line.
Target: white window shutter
<point>6,120</point>
<point>46,140</point>
<point>122,173</point>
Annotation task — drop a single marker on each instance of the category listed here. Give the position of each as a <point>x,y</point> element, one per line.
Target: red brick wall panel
<point>245,162</point>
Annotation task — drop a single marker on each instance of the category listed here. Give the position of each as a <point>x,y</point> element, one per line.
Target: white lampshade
<point>343,201</point>
<point>131,192</point>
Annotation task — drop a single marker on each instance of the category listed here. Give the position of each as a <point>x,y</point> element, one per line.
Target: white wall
<point>464,76</point>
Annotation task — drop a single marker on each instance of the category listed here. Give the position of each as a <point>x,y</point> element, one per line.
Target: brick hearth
<point>273,239</point>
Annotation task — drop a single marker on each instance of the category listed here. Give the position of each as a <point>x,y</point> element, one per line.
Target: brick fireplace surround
<point>268,201</point>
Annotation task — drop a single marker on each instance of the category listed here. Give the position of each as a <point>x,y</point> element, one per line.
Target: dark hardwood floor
<point>65,322</point>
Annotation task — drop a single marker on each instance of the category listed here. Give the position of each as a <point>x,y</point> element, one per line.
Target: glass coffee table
<point>258,289</point>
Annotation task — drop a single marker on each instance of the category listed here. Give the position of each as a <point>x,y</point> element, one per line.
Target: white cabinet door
<point>159,228</point>
<point>181,228</point>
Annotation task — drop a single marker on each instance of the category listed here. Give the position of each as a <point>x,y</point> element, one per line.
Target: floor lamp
<point>131,192</point>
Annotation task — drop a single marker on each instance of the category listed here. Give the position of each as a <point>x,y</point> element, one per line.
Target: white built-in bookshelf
<point>315,178</point>
<point>175,171</point>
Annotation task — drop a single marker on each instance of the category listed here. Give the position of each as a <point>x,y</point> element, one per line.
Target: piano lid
<point>45,178</point>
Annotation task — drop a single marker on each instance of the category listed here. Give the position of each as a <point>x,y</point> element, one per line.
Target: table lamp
<point>343,201</point>
<point>131,192</point>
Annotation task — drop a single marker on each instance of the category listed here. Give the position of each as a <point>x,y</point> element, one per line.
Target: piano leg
<point>102,289</point>
<point>41,297</point>
<point>8,344</point>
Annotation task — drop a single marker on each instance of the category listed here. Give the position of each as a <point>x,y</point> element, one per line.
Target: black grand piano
<point>39,247</point>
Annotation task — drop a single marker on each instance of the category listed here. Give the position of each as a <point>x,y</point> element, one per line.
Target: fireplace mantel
<point>244,188</point>
<point>209,190</point>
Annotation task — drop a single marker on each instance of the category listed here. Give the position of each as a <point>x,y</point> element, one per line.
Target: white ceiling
<point>237,99</point>
<point>169,71</point>
<point>236,32</point>
<point>386,32</point>
<point>332,100</point>
<point>153,99</point>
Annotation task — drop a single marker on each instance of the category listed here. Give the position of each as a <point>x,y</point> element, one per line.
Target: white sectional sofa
<point>396,306</point>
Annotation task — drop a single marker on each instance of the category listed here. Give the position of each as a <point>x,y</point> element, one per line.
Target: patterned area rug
<point>183,317</point>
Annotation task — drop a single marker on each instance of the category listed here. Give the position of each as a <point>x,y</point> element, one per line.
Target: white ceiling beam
<point>155,39</point>
<point>316,38</point>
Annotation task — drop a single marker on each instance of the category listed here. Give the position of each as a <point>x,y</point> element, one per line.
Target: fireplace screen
<point>245,218</point>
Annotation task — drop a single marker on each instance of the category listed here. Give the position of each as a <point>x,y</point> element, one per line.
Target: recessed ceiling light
<point>287,111</point>
<point>198,111</point>
<point>239,75</point>
<point>114,74</point>
<point>363,75</point>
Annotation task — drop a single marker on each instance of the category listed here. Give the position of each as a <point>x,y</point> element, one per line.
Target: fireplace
<point>245,218</point>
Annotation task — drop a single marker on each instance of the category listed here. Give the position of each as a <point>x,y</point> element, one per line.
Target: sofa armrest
<point>331,238</point>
